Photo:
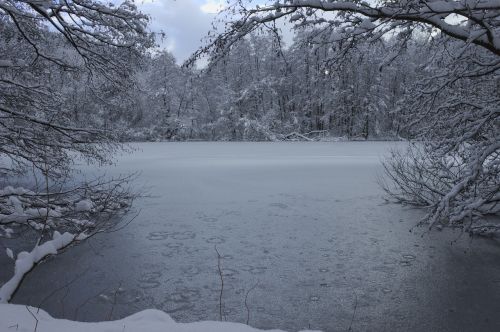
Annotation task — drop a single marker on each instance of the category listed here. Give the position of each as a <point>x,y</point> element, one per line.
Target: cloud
<point>212,6</point>
<point>184,22</point>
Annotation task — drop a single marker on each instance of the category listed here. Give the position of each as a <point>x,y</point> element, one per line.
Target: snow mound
<point>84,205</point>
<point>9,190</point>
<point>22,319</point>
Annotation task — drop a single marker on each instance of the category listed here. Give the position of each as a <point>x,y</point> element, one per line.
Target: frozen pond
<point>302,226</point>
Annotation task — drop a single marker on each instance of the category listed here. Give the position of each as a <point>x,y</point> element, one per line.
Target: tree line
<point>264,90</point>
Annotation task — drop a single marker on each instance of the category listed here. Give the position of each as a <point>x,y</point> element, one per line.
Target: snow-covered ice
<point>303,221</point>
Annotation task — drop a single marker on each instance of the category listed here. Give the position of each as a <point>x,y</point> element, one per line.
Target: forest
<point>82,81</point>
<point>341,78</point>
<point>260,90</point>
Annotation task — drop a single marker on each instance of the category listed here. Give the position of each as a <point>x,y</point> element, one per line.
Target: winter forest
<point>312,165</point>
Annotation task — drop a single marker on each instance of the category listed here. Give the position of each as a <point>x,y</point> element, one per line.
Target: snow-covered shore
<point>24,319</point>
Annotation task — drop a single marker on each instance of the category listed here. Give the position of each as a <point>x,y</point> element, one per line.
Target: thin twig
<point>246,303</point>
<point>77,309</point>
<point>110,316</point>
<point>36,319</point>
<point>69,283</point>
<point>221,281</point>
<point>354,312</point>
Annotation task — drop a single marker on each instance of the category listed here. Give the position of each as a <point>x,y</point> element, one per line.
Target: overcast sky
<point>185,22</point>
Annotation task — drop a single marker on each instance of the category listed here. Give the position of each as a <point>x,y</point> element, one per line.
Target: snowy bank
<point>24,319</point>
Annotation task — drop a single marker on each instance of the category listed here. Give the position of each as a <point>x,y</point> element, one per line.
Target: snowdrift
<point>28,319</point>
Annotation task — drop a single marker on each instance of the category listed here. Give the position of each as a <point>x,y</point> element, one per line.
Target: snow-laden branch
<point>48,46</point>
<point>460,187</point>
<point>26,261</point>
<point>58,220</point>
<point>87,25</point>
<point>472,21</point>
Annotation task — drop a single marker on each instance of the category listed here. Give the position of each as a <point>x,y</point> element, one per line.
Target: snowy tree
<point>45,48</point>
<point>43,40</point>
<point>307,89</point>
<point>454,169</point>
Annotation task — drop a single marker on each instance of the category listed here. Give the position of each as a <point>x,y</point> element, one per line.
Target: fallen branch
<point>298,135</point>
<point>26,261</point>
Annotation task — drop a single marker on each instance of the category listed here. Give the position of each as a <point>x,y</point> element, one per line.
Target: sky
<point>185,22</point>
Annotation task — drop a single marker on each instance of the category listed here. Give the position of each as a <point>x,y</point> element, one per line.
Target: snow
<point>7,232</point>
<point>81,237</point>
<point>84,205</point>
<point>21,211</point>
<point>42,213</point>
<point>9,253</point>
<point>367,24</point>
<point>16,203</point>
<point>26,261</point>
<point>14,217</point>
<point>9,190</point>
<point>24,319</point>
<point>22,216</point>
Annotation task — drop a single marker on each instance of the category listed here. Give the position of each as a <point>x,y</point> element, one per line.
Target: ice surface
<point>303,221</point>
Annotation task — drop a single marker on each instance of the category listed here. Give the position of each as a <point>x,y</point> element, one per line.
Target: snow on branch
<point>25,261</point>
<point>481,26</point>
<point>57,220</point>
<point>85,24</point>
